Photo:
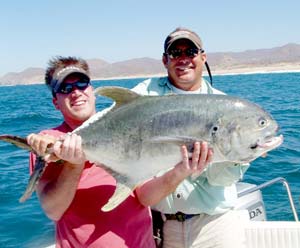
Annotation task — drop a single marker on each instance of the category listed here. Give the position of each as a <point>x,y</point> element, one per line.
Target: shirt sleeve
<point>225,173</point>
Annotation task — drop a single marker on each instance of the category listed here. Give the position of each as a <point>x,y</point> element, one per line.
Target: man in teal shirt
<point>196,212</point>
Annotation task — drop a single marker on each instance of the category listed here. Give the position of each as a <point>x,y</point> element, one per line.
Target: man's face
<point>184,71</point>
<point>78,105</point>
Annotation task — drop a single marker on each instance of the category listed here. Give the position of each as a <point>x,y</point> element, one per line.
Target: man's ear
<point>54,101</point>
<point>165,60</point>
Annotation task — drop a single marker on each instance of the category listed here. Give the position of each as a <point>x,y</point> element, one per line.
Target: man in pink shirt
<point>72,192</point>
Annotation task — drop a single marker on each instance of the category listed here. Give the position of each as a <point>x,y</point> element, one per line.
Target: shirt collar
<point>205,86</point>
<point>165,82</point>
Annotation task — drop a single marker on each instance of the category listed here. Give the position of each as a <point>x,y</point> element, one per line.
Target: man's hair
<point>60,62</point>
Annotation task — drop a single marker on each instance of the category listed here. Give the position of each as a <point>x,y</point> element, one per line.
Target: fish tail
<point>39,168</point>
<point>16,140</point>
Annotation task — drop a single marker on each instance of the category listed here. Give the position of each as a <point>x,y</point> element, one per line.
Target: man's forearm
<point>56,196</point>
<point>157,188</point>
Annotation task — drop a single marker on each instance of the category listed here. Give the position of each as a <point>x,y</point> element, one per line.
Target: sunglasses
<point>190,52</point>
<point>67,88</point>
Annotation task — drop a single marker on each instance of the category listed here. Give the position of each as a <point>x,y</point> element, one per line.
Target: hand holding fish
<point>197,161</point>
<point>157,188</point>
<point>68,148</point>
<point>40,143</point>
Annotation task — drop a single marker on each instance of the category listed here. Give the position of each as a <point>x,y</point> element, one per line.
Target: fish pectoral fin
<point>119,94</point>
<point>121,193</point>
<point>16,140</point>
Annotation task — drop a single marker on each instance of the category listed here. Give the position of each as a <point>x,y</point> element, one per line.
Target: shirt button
<point>178,195</point>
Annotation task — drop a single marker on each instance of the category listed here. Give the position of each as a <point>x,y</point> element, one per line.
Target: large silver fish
<point>142,135</point>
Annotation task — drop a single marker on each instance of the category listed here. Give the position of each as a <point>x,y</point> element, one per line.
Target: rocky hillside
<point>282,58</point>
<point>288,54</point>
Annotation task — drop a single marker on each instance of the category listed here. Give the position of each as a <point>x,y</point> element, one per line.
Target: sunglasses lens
<point>174,54</point>
<point>192,52</point>
<point>68,88</point>
<point>65,89</point>
<point>82,85</point>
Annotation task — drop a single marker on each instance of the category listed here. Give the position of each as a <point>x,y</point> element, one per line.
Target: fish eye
<point>214,130</point>
<point>262,122</point>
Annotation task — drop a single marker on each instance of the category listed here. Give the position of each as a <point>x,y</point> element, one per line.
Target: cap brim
<point>182,38</point>
<point>64,73</point>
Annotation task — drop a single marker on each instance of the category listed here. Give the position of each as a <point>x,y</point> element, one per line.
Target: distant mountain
<point>28,76</point>
<point>289,53</point>
<point>133,67</point>
<point>282,58</point>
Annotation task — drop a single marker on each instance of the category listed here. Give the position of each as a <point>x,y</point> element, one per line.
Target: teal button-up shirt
<point>214,191</point>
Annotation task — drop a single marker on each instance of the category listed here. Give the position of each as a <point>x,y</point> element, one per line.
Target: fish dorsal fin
<point>121,193</point>
<point>119,94</point>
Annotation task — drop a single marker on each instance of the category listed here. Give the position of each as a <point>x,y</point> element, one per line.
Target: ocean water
<point>26,109</point>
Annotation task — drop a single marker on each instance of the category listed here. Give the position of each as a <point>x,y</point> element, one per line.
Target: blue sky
<point>33,31</point>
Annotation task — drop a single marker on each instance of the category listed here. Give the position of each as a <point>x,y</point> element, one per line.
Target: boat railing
<point>269,183</point>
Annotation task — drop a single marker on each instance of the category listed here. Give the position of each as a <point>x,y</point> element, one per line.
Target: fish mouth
<point>269,143</point>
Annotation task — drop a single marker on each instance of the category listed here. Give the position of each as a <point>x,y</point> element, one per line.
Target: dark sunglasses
<point>67,88</point>
<point>190,52</point>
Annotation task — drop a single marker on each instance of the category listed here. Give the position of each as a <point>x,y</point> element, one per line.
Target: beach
<point>274,68</point>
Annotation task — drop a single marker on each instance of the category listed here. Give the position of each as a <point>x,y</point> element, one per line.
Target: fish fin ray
<point>119,94</point>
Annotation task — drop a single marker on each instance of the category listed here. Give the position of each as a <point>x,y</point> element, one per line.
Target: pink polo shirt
<point>85,225</point>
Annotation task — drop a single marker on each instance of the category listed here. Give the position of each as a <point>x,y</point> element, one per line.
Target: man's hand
<point>197,162</point>
<point>70,149</point>
<point>157,188</point>
<point>67,148</point>
<point>40,143</point>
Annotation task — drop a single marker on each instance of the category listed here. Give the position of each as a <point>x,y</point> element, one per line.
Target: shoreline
<point>280,68</point>
<point>258,70</point>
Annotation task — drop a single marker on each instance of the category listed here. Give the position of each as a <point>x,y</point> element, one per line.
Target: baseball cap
<point>182,33</point>
<point>60,75</point>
